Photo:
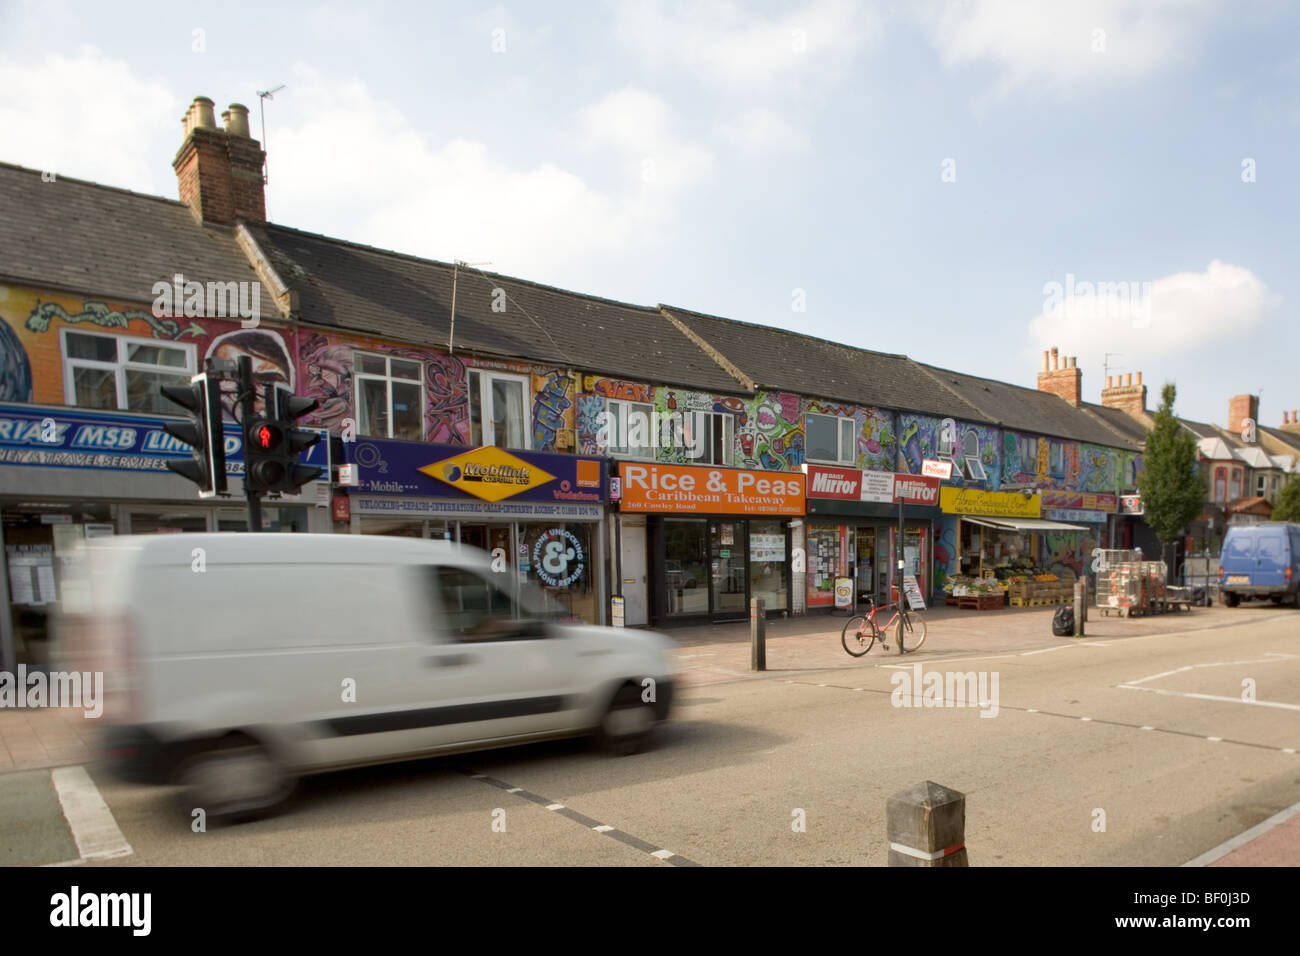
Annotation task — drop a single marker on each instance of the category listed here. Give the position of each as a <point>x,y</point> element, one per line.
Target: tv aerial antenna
<point>265,95</point>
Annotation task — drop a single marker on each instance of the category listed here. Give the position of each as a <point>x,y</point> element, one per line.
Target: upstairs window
<point>119,372</point>
<point>497,404</point>
<point>630,429</point>
<point>390,396</point>
<point>830,439</point>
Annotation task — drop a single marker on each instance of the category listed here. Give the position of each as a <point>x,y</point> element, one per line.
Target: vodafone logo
<point>833,483</point>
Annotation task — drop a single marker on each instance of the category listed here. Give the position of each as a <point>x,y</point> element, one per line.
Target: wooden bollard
<point>757,634</point>
<point>926,826</point>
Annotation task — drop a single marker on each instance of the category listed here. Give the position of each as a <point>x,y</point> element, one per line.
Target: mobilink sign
<point>53,437</point>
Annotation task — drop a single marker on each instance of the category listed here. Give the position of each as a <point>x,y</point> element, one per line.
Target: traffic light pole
<point>247,412</point>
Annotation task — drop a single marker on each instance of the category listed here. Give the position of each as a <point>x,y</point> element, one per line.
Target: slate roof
<point>1027,409</point>
<point>95,240</point>
<point>345,285</point>
<point>792,362</point>
<point>1121,422</point>
<point>1287,438</point>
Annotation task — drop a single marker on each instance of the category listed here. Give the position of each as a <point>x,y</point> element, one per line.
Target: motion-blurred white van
<point>237,662</point>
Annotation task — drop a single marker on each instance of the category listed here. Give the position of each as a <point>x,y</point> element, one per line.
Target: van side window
<point>1270,548</point>
<point>474,607</point>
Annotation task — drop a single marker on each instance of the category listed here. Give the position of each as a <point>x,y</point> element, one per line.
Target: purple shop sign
<point>487,473</point>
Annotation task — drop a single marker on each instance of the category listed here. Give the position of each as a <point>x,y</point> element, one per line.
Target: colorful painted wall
<point>919,440</point>
<point>313,363</point>
<point>1026,459</point>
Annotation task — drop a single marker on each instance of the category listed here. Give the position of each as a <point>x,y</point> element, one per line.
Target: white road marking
<point>663,854</point>
<point>1216,740</point>
<point>555,806</point>
<point>1148,727</point>
<point>1272,658</point>
<point>1085,718</point>
<point>603,828</point>
<point>1218,697</point>
<point>1241,839</point>
<point>91,822</point>
<point>1031,710</point>
<point>514,789</point>
<point>1046,650</point>
<point>1288,750</point>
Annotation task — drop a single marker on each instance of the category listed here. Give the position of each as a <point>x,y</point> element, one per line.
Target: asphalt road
<point>727,777</point>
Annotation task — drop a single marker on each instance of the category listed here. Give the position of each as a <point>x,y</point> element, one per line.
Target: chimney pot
<point>201,112</point>
<point>1129,379</point>
<point>1054,359</point>
<point>1047,361</point>
<point>1108,378</point>
<point>236,120</point>
<point>1285,419</point>
<point>1139,378</point>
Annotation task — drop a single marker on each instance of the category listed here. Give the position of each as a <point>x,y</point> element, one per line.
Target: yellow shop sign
<point>488,473</point>
<point>994,504</point>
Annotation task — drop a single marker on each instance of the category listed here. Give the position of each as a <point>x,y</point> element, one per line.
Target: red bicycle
<point>863,630</point>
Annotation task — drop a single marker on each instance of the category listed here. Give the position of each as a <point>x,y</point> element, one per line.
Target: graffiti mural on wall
<point>769,432</point>
<point>326,374</point>
<point>15,368</point>
<point>552,410</point>
<point>1076,466</point>
<point>875,443</point>
<point>918,440</point>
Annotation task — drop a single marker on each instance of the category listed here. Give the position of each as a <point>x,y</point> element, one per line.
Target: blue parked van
<point>1260,561</point>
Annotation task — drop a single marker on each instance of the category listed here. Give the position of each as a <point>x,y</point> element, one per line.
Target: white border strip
<point>91,822</point>
<point>1241,839</point>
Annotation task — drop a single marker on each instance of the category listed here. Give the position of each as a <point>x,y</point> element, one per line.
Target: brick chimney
<point>1240,407</point>
<point>1063,379</point>
<point>1127,396</point>
<point>220,170</point>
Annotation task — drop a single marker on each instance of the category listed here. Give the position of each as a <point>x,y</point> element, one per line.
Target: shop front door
<point>729,573</point>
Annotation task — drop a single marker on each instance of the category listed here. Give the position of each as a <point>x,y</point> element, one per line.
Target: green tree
<point>1173,491</point>
<point>1287,505</point>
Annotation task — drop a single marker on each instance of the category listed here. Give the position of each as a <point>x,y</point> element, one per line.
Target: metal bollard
<point>1080,605</point>
<point>757,634</point>
<point>926,826</point>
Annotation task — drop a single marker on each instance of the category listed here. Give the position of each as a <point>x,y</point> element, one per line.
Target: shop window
<point>630,429</point>
<point>390,396</point>
<point>119,372</point>
<point>496,409</point>
<point>831,439</point>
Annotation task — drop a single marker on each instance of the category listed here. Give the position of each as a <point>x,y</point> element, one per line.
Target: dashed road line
<point>1076,717</point>
<point>659,853</point>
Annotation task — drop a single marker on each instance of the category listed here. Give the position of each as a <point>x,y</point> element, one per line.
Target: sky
<point>968,183</point>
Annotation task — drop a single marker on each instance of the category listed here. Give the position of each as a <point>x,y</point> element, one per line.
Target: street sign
<point>936,469</point>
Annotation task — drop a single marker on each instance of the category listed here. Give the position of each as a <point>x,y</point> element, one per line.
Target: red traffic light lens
<point>264,436</point>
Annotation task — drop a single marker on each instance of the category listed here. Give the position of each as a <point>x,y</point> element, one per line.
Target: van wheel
<point>627,723</point>
<point>236,781</point>
<point>1229,598</point>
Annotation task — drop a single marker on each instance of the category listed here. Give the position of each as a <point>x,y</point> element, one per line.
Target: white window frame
<point>852,458</point>
<point>614,416</point>
<point>485,379</point>
<point>120,367</point>
<point>388,379</point>
<point>974,468</point>
<point>1261,485</point>
<point>728,422</point>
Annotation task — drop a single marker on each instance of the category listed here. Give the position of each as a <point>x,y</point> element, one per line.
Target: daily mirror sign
<point>882,487</point>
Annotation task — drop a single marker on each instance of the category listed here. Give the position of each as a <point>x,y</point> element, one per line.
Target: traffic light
<point>202,399</point>
<point>272,446</point>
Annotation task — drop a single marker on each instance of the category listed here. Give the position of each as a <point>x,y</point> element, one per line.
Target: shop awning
<point>1024,524</point>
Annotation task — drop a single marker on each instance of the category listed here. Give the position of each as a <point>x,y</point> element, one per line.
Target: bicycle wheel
<point>858,635</point>
<point>913,631</point>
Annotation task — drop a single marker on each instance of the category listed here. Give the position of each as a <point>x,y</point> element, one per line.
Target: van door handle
<point>449,660</point>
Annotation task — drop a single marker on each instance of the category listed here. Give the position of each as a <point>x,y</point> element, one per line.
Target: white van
<point>237,662</point>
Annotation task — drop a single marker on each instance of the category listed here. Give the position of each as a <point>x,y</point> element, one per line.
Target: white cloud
<point>1178,313</point>
<point>762,131</point>
<point>392,185</point>
<point>87,115</point>
<point>1053,46</point>
<point>724,43</point>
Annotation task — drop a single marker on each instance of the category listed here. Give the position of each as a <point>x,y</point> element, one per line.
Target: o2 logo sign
<point>558,558</point>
